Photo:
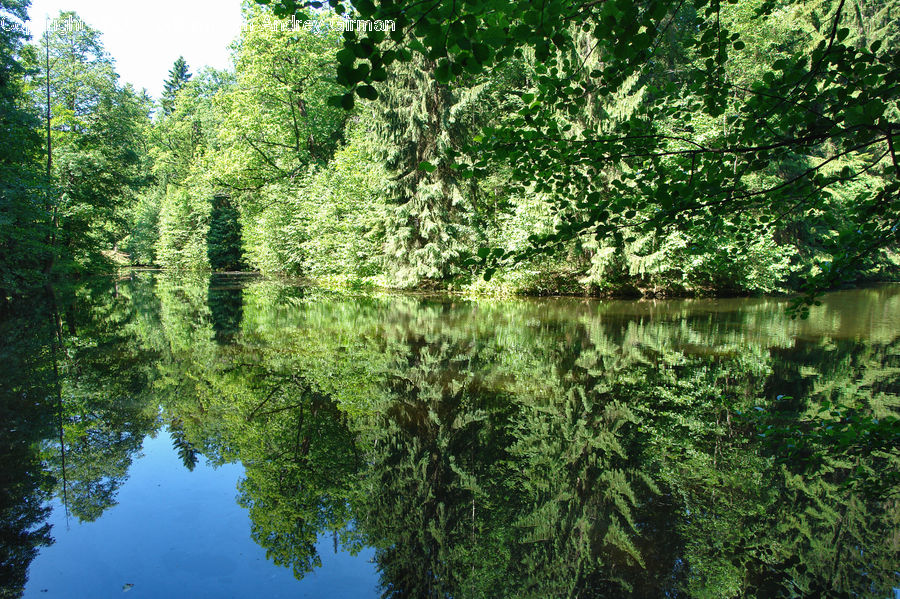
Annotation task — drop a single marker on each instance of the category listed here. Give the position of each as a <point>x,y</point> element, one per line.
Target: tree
<point>97,142</point>
<point>105,408</point>
<point>826,103</point>
<point>180,202</point>
<point>431,214</point>
<point>283,76</point>
<point>23,216</point>
<point>28,406</point>
<point>178,78</point>
<point>276,129</point>
<point>223,241</point>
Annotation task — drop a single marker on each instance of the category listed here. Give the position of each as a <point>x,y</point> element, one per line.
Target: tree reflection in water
<point>484,448</point>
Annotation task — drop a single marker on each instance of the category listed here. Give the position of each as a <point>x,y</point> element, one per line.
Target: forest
<point>641,148</point>
<point>214,272</point>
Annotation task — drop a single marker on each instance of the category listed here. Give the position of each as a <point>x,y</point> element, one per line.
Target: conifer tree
<point>178,78</point>
<point>223,241</point>
<point>430,218</point>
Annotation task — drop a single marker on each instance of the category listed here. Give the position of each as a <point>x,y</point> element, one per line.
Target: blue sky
<point>145,38</point>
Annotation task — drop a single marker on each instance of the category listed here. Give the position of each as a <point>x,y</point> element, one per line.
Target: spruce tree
<point>178,78</point>
<point>223,241</point>
<point>430,220</point>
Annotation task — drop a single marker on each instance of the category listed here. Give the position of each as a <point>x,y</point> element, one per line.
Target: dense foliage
<point>23,233</point>
<point>768,122</point>
<point>650,148</point>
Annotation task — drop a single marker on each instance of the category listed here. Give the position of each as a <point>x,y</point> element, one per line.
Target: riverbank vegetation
<point>643,148</point>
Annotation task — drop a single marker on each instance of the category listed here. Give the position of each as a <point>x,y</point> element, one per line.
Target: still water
<point>240,437</point>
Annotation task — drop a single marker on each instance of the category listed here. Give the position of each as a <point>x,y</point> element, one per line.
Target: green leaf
<point>379,74</point>
<point>481,52</point>
<point>442,72</point>
<point>367,92</point>
<point>346,57</point>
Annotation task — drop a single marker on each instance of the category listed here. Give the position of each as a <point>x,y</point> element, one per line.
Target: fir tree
<point>178,78</point>
<point>186,451</point>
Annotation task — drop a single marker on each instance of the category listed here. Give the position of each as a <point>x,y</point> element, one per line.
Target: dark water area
<point>224,436</point>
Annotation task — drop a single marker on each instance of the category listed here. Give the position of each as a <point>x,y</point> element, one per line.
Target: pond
<point>234,436</point>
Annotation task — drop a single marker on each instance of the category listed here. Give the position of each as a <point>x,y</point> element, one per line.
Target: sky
<point>145,38</point>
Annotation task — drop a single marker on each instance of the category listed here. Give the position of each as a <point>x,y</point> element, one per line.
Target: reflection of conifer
<point>571,456</point>
<point>226,307</point>
<point>185,450</point>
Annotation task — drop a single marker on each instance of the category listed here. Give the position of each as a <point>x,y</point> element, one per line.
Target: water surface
<point>240,437</point>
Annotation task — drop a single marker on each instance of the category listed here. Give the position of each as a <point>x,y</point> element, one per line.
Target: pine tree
<point>178,78</point>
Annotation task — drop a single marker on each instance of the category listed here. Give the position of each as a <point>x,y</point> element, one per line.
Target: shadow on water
<point>534,448</point>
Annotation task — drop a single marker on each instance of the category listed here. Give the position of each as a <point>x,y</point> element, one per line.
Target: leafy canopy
<point>827,100</point>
